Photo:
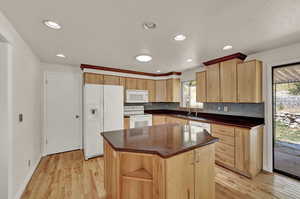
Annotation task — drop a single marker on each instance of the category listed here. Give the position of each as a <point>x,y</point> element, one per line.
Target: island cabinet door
<point>180,176</point>
<point>205,172</point>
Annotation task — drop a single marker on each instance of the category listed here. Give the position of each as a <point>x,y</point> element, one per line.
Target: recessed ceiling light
<point>52,24</point>
<point>143,58</point>
<point>158,71</point>
<point>179,37</point>
<point>149,25</point>
<point>228,47</point>
<point>189,60</point>
<point>61,55</point>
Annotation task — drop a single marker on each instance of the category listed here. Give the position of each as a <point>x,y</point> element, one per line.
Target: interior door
<point>62,112</point>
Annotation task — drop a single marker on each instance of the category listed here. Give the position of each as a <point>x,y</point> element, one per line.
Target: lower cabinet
<point>126,123</point>
<point>175,120</point>
<point>239,149</point>
<point>158,119</point>
<point>189,175</point>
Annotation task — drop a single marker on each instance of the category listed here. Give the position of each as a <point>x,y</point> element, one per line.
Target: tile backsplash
<point>244,109</point>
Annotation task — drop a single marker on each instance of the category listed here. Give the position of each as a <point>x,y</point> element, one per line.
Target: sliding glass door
<point>286,119</point>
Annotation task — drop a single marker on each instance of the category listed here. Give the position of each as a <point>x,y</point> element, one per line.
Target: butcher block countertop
<point>164,140</point>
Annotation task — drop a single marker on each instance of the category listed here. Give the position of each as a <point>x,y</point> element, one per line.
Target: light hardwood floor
<point>69,176</point>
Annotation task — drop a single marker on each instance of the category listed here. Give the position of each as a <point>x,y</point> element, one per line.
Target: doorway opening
<point>286,119</point>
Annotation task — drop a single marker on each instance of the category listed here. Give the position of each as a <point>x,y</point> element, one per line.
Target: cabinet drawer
<point>223,130</point>
<point>224,149</point>
<point>224,139</point>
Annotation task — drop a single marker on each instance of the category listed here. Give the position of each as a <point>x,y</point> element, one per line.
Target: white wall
<point>25,98</point>
<point>270,58</point>
<point>4,132</point>
<point>190,74</point>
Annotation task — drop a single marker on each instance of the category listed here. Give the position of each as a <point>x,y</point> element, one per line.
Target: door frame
<point>44,95</point>
<point>273,119</point>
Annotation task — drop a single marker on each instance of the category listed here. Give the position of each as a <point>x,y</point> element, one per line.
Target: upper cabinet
<point>141,84</point>
<point>173,90</point>
<point>131,83</point>
<point>201,86</point>
<point>249,76</point>
<point>228,80</point>
<point>161,90</point>
<point>213,83</point>
<point>150,84</point>
<point>166,90</point>
<point>92,78</point>
<point>111,80</point>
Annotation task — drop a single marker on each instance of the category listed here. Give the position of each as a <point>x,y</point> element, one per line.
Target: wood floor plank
<point>69,176</point>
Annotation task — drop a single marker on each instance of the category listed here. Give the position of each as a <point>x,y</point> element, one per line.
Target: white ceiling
<point>109,32</point>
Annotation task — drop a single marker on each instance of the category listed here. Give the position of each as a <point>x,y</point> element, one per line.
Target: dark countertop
<point>237,121</point>
<point>164,140</point>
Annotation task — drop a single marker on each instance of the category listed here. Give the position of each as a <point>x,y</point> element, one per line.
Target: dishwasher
<point>205,126</point>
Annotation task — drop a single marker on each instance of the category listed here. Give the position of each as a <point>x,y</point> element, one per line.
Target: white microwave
<point>137,96</point>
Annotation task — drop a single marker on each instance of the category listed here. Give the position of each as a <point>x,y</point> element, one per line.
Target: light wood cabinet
<point>201,86</point>
<point>189,175</point>
<point>126,123</point>
<point>195,169</point>
<point>131,83</point>
<point>171,120</point>
<point>213,83</point>
<point>93,78</point>
<point>204,185</point>
<point>249,82</point>
<point>161,90</point>
<point>111,80</point>
<point>239,149</point>
<point>228,80</point>
<point>232,81</point>
<point>141,84</point>
<point>180,186</point>
<point>173,90</point>
<point>150,85</point>
<point>158,119</point>
<point>248,153</point>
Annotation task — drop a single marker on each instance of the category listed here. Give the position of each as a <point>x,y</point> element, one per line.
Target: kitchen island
<point>170,161</point>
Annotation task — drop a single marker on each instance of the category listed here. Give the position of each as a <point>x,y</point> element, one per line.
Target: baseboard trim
<point>27,179</point>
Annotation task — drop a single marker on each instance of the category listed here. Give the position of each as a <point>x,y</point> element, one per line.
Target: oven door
<point>140,121</point>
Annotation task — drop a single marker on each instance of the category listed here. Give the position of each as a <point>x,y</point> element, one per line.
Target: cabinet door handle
<point>188,194</point>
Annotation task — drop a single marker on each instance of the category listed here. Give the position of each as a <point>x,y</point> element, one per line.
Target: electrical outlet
<point>29,163</point>
<point>219,108</point>
<point>225,108</point>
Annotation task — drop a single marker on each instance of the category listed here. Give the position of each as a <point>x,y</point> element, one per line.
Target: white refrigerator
<point>103,111</point>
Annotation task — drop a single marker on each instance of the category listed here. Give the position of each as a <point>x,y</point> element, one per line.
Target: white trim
<point>128,74</point>
<point>268,135</point>
<point>27,179</point>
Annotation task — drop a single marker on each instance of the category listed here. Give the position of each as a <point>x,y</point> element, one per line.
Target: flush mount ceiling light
<point>149,25</point>
<point>189,60</point>
<point>143,58</point>
<point>180,37</point>
<point>227,47</point>
<point>52,24</point>
<point>61,55</point>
